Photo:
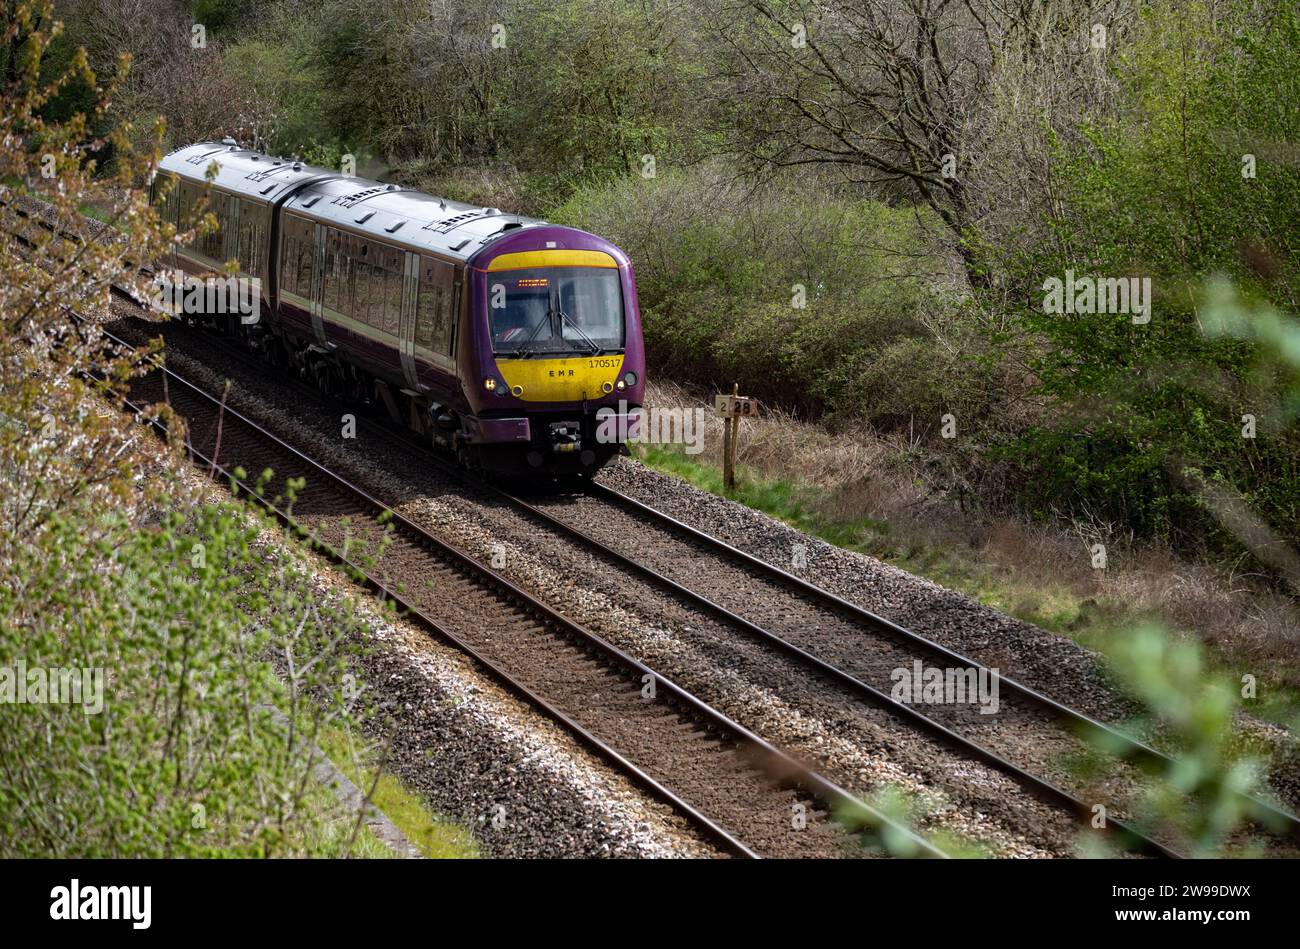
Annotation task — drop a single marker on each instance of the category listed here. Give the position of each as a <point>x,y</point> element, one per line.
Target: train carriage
<point>514,342</point>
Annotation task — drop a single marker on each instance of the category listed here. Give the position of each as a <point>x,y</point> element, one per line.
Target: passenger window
<point>306,254</point>
<point>289,265</point>
<point>254,266</point>
<point>213,240</point>
<point>348,290</point>
<point>426,307</point>
<point>333,270</point>
<point>167,205</point>
<point>364,280</point>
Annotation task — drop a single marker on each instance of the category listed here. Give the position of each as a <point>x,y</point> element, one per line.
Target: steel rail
<point>1128,837</point>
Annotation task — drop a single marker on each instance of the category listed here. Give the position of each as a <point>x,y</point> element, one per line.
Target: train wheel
<point>276,353</point>
<point>466,454</point>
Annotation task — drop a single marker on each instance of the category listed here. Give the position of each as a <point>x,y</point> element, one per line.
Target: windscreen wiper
<point>565,318</point>
<point>522,350</point>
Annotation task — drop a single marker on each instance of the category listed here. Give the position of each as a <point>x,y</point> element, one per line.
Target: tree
<point>899,98</point>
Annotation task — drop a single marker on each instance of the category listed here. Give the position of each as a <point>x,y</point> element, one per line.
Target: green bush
<point>1141,414</point>
<point>1204,793</point>
<point>171,633</point>
<point>721,270</point>
<point>196,633</point>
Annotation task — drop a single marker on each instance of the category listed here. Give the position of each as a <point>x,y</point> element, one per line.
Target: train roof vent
<point>310,201</point>
<point>201,157</point>
<point>356,197</point>
<point>365,217</point>
<point>393,227</point>
<point>445,225</point>
<point>261,174</point>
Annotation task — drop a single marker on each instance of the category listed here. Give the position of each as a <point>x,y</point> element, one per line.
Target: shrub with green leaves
<point>1188,177</point>
<point>1204,792</point>
<point>802,297</point>
<point>197,631</point>
<point>169,628</point>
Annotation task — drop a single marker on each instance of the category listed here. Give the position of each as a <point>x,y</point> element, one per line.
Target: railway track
<point>838,640</point>
<point>726,600</point>
<point>1121,833</point>
<point>738,789</point>
<point>825,634</point>
<point>859,649</point>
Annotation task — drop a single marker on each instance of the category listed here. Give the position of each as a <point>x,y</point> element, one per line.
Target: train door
<point>406,324</point>
<point>318,289</point>
<point>230,237</point>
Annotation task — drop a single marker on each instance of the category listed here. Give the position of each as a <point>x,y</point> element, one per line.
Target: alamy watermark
<point>657,425</point>
<point>1128,295</point>
<point>134,903</point>
<point>932,685</point>
<point>37,685</point>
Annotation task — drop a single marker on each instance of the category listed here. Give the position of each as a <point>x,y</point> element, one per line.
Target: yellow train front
<point>558,350</point>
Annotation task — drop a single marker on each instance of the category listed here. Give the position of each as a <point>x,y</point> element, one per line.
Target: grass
<point>1025,591</point>
<point>335,840</point>
<point>433,835</point>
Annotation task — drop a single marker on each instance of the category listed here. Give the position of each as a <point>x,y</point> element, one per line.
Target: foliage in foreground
<point>184,624</point>
<point>1208,790</point>
<point>171,632</point>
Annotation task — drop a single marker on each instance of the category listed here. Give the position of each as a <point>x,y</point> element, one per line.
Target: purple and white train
<point>513,342</point>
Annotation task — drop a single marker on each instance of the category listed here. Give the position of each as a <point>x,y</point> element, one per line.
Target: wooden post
<point>730,425</point>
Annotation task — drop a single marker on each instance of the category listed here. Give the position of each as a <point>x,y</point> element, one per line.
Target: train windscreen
<point>550,311</point>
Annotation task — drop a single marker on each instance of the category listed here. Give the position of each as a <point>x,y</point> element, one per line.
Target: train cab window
<point>556,310</point>
<point>434,315</point>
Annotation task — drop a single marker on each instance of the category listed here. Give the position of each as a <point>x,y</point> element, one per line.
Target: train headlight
<point>517,391</point>
<point>630,379</point>
<point>620,385</point>
<point>607,387</point>
<point>490,384</point>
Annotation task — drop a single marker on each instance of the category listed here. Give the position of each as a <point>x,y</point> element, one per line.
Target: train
<point>514,343</point>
